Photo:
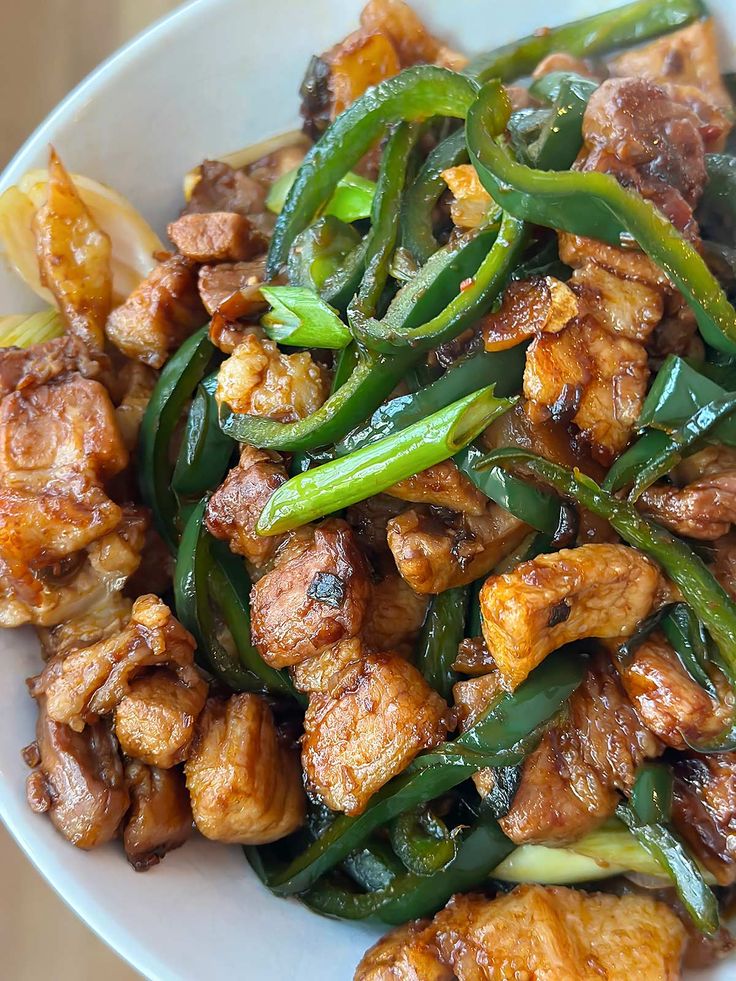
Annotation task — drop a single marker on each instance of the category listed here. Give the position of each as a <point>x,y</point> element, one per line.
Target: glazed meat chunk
<point>441,485</point>
<point>667,699</point>
<point>408,953</point>
<point>316,594</point>
<point>232,289</point>
<point>394,616</point>
<point>155,721</point>
<point>596,590</point>
<point>704,810</point>
<point>378,714</point>
<point>159,314</point>
<point>245,784</point>
<point>569,783</point>
<point>221,187</point>
<point>233,510</point>
<point>258,379</point>
<point>471,202</point>
<point>160,817</point>
<point>93,681</point>
<point>623,306</point>
<point>319,672</point>
<point>530,308</point>
<point>77,780</point>
<point>590,376</point>
<point>435,551</point>
<point>220,236</point>
<point>556,933</point>
<point>704,509</point>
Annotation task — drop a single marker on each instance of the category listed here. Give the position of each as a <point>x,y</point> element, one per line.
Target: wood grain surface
<point>46,47</point>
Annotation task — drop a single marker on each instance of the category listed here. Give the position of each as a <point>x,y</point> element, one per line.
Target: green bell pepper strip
<point>370,470</point>
<point>704,594</point>
<point>415,94</point>
<point>671,855</point>
<point>442,632</point>
<point>230,587</point>
<point>463,311</point>
<point>205,451</point>
<point>594,205</point>
<point>420,200</point>
<point>300,318</point>
<point>194,606</point>
<point>504,369</point>
<point>326,257</point>
<point>507,730</point>
<point>381,240</point>
<point>536,507</point>
<point>654,444</point>
<point>716,211</point>
<point>351,200</point>
<point>680,440</point>
<point>374,866</point>
<point>590,36</point>
<point>178,379</point>
<point>411,896</point>
<point>724,742</point>
<point>651,795</point>
<point>422,842</point>
<point>690,643</point>
<point>564,123</point>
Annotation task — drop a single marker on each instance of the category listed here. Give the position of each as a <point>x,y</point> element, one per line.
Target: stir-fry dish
<point>382,523</point>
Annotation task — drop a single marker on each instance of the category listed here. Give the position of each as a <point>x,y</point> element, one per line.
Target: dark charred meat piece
<point>704,810</point>
<point>219,236</point>
<point>289,624</point>
<point>530,308</point>
<point>79,780</point>
<point>222,188</point>
<point>233,289</point>
<point>160,817</point>
<point>233,510</point>
<point>159,314</point>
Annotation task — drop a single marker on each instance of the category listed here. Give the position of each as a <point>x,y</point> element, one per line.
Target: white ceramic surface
<point>214,76</point>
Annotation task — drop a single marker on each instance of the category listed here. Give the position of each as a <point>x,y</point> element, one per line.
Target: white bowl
<point>212,77</point>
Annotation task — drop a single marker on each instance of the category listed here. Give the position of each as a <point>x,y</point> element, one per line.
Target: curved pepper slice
<point>597,206</point>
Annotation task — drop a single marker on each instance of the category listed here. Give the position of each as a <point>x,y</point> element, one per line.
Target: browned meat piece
<point>622,306</point>
<point>407,953</point>
<point>714,123</point>
<point>473,658</point>
<point>370,518</point>
<point>471,202</point>
<point>160,817</point>
<point>592,591</point>
<point>93,681</point>
<point>260,380</point>
<point>724,563</point>
<point>434,552</point>
<point>336,78</point>
<point>219,236</point>
<point>378,714</point>
<point>668,701</point>
<point>557,934</point>
<point>471,699</point>
<point>685,57</point>
<point>704,810</point>
<point>569,783</point>
<point>394,616</point>
<point>575,250</point>
<point>96,623</point>
<point>155,721</point>
<point>233,289</point>
<point>136,385</point>
<point>705,463</point>
<point>74,257</point>
<point>399,22</point>
<point>159,314</point>
<point>245,784</point>
<point>530,307</point>
<point>316,594</point>
<point>677,333</point>
<point>319,672</point>
<point>442,485</point>
<point>222,188</point>
<point>560,61</point>
<point>54,360</point>
<point>590,376</point>
<point>704,509</point>
<point>77,780</point>
<point>234,508</point>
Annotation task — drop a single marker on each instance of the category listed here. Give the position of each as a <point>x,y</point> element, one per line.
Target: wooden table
<point>47,47</point>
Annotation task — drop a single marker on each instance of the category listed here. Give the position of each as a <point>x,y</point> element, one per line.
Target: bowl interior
<point>214,76</point>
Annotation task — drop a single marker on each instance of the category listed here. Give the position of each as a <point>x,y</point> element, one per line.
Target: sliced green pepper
<point>690,643</point>
<point>716,212</point>
<point>367,471</point>
<point>422,842</point>
<point>205,451</point>
<point>651,795</point>
<point>320,257</point>
<point>598,34</point>
<point>443,630</point>
<point>569,96</point>
<point>595,205</point>
<point>704,594</point>
<point>415,94</point>
<point>176,383</point>
<point>351,200</point>
<point>511,725</point>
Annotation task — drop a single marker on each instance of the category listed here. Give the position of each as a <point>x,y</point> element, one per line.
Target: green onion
<point>299,317</point>
<point>351,201</point>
